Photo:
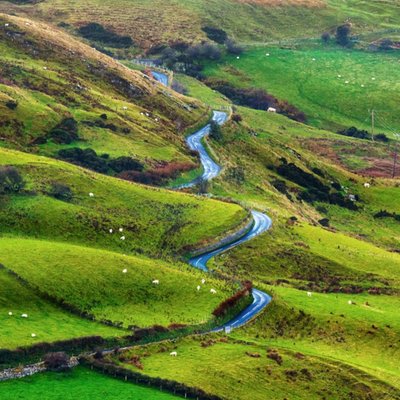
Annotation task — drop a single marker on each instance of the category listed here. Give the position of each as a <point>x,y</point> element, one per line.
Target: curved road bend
<point>262,222</point>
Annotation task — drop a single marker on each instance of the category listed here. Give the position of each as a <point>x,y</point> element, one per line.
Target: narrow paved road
<point>160,77</point>
<point>261,221</point>
<point>260,299</point>
<point>210,168</point>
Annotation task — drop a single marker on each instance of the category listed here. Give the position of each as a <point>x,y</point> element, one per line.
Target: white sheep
<point>10,313</point>
<point>155,282</point>
<point>121,229</point>
<point>367,185</point>
<point>213,291</point>
<point>350,302</point>
<point>203,281</point>
<point>124,271</point>
<point>45,68</point>
<point>110,230</point>
<point>309,294</point>
<point>122,238</point>
<point>237,57</point>
<point>91,194</point>
<point>33,334</point>
<point>6,24</point>
<point>198,288</point>
<point>173,354</point>
<point>124,108</point>
<point>24,315</point>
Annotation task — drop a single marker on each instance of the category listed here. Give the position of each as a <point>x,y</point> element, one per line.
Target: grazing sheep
<point>156,282</point>
<point>350,302</point>
<point>173,354</point>
<point>6,24</point>
<point>271,110</point>
<point>122,238</point>
<point>309,294</point>
<point>121,229</point>
<point>24,315</point>
<point>198,288</point>
<point>367,185</point>
<point>124,271</point>
<point>10,313</point>
<point>33,334</point>
<point>203,281</point>
<point>124,108</point>
<point>213,291</point>
<point>91,194</point>
<point>111,231</point>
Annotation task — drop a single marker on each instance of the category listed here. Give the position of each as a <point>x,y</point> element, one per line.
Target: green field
<point>80,383</point>
<point>252,21</point>
<point>308,77</point>
<point>93,281</point>
<point>45,320</point>
<point>155,221</point>
<point>240,370</point>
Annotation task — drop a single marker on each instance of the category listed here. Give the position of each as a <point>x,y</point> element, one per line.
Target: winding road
<point>261,224</point>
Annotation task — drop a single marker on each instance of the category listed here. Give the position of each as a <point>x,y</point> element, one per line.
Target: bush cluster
<point>159,175</point>
<point>232,301</point>
<point>315,189</point>
<point>88,158</point>
<point>96,32</point>
<point>10,180</point>
<point>258,99</point>
<point>363,134</point>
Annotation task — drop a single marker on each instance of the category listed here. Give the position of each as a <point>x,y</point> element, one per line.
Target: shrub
<point>235,174</point>
<point>326,37</point>
<point>215,34</point>
<point>97,32</point>
<point>381,137</point>
<point>85,158</point>
<point>61,191</point>
<point>324,222</point>
<point>232,301</point>
<point>56,361</point>
<point>10,180</point>
<point>342,34</point>
<point>12,105</point>
<point>215,131</point>
<point>65,132</point>
<point>237,118</point>
<point>121,164</point>
<point>233,48</point>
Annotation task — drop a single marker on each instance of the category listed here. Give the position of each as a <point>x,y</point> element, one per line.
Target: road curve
<point>160,77</point>
<point>260,299</point>
<point>210,168</point>
<point>261,224</point>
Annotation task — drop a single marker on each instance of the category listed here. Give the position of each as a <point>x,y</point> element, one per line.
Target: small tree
<point>233,48</point>
<point>61,191</point>
<point>215,131</point>
<point>326,37</point>
<point>10,180</point>
<point>343,34</point>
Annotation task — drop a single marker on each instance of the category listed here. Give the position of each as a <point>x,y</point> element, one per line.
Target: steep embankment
<point>57,93</point>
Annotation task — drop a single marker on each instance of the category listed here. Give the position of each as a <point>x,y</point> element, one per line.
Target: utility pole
<point>395,154</point>
<point>372,124</point>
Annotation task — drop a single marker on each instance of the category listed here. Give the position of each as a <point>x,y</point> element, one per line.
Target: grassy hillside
<point>45,320</point>
<point>239,370</point>
<point>335,88</point>
<point>79,383</point>
<point>93,281</point>
<point>247,21</point>
<point>116,111</point>
<point>154,221</point>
